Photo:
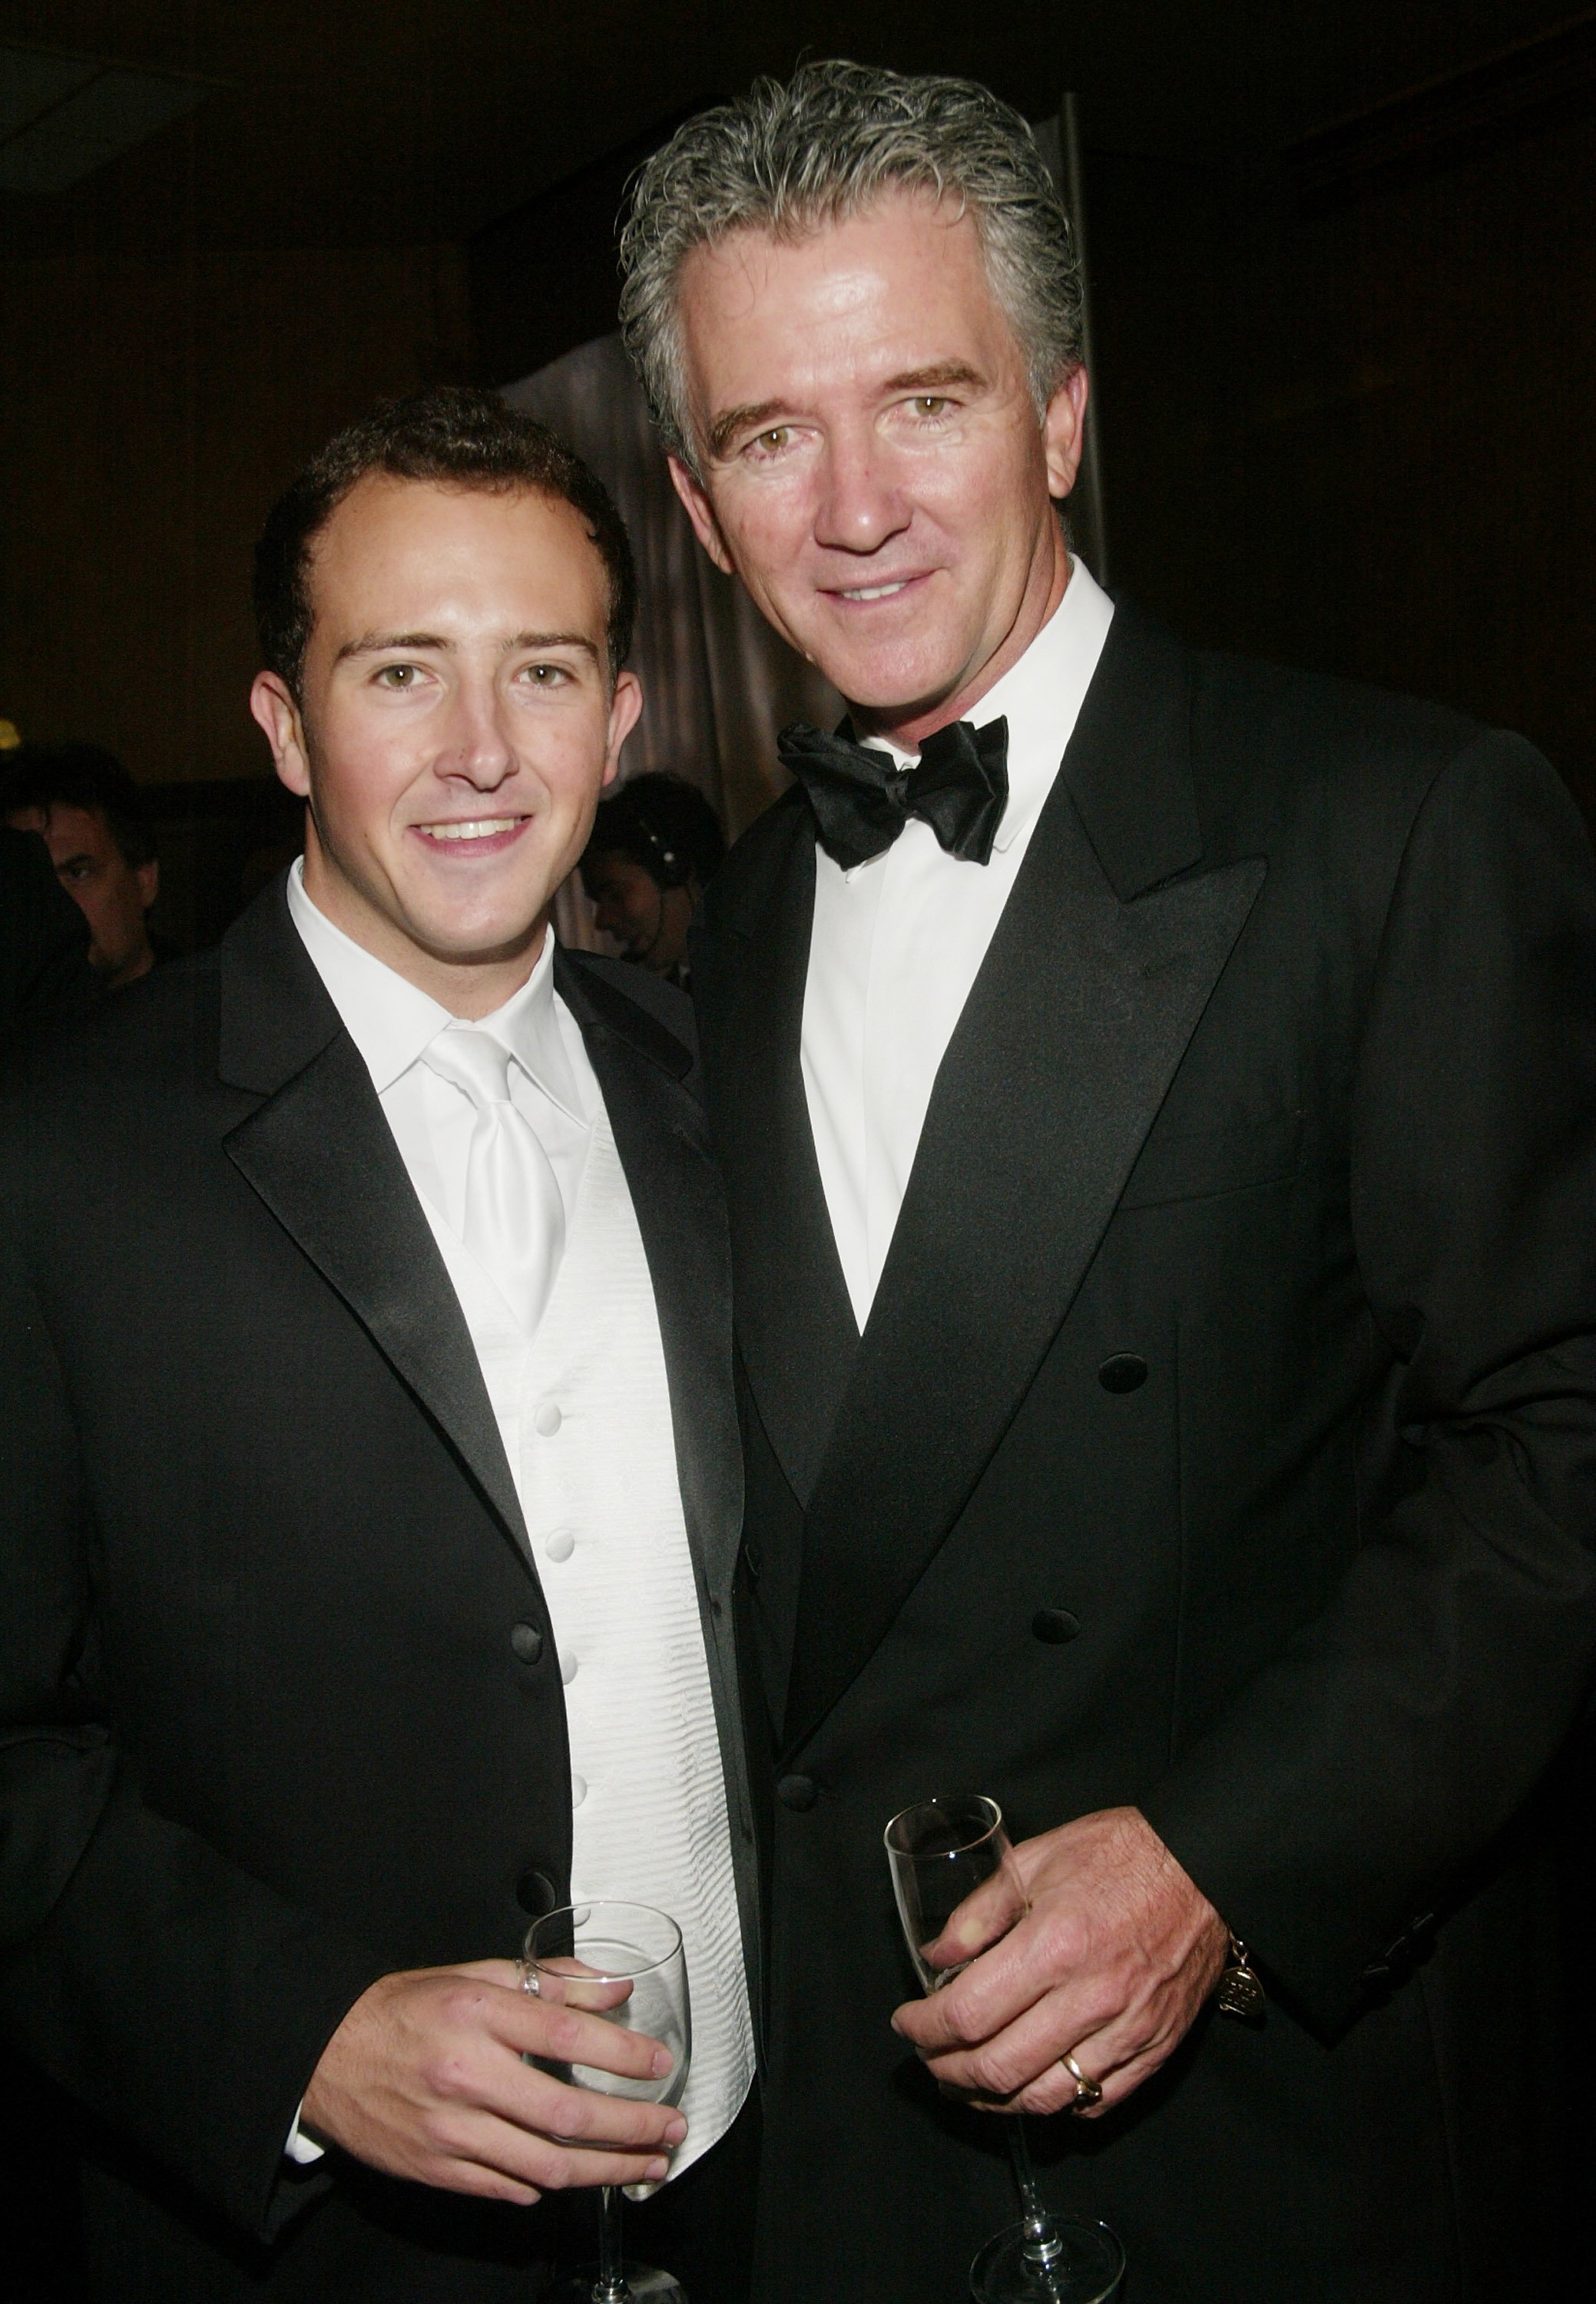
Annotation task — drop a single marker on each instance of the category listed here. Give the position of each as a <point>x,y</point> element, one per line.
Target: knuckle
<point>577,2113</point>
<point>959,2023</point>
<point>445,2075</point>
<point>447,2136</point>
<point>565,2032</point>
<point>991,2073</point>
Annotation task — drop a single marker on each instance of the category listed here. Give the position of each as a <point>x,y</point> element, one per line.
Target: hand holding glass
<point>624,1962</point>
<point>940,1851</point>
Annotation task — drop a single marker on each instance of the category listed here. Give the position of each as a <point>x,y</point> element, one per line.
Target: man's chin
<point>892,684</point>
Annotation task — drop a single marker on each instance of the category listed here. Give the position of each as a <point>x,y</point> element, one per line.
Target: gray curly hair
<point>789,160</point>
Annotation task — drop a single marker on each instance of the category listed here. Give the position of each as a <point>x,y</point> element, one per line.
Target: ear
<point>279,717</point>
<point>625,709</point>
<point>701,512</point>
<point>1064,433</point>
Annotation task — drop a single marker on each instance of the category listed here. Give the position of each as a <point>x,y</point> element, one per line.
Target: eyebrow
<point>382,643</point>
<point>753,415</point>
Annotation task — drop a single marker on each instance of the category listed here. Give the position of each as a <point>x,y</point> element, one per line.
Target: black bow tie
<point>861,799</point>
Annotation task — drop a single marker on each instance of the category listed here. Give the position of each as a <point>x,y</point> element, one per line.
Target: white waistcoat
<point>584,1411</point>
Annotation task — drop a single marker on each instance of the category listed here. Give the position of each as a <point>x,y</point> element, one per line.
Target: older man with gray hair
<point>1158,1095</point>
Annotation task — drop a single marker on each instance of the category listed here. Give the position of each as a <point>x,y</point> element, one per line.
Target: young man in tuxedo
<point>1158,1100</point>
<point>383,1603</point>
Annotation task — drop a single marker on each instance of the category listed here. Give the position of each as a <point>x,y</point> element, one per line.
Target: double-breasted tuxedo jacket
<point>1220,1441</point>
<point>268,1734</point>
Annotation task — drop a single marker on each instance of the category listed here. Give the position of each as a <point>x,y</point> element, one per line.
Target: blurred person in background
<point>45,975</point>
<point>87,810</point>
<point>653,848</point>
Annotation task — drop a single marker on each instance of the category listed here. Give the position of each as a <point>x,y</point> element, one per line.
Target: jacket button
<point>1123,1372</point>
<point>536,1895</point>
<point>1055,1625</point>
<point>796,1792</point>
<point>527,1641</point>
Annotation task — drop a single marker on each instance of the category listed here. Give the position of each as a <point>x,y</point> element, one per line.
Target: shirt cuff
<point>299,2148</point>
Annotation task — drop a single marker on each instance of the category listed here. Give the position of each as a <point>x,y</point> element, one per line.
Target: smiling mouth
<point>874,591</point>
<point>476,828</point>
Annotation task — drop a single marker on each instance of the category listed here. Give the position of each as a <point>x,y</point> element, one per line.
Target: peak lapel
<point>1091,991</point>
<point>663,1143</point>
<point>320,1156</point>
<point>795,1321</point>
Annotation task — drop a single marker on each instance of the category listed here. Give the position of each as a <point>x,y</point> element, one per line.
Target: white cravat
<point>515,1222</point>
<point>897,943</point>
<point>436,1117</point>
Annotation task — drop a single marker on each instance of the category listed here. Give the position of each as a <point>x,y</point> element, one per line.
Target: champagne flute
<point>624,1962</point>
<point>939,1851</point>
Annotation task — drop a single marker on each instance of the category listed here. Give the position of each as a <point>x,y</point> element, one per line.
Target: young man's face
<point>456,726</point>
<point>873,466</point>
<point>112,894</point>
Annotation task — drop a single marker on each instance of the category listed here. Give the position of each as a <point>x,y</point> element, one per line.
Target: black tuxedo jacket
<point>1220,1441</point>
<point>268,1734</point>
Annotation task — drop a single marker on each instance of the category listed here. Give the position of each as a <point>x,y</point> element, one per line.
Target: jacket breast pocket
<point>1193,1164</point>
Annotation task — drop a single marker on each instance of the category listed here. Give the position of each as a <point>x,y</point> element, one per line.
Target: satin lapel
<point>663,1142</point>
<point>1065,1049</point>
<point>320,1156</point>
<point>795,1321</point>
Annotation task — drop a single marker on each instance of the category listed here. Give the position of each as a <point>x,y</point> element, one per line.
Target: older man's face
<point>872,465</point>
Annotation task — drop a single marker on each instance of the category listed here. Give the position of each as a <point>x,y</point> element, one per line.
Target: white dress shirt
<point>581,1401</point>
<point>897,943</point>
<point>392,1022</point>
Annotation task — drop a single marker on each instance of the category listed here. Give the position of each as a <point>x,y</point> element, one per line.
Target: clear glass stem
<point>1044,2246</point>
<point>610,2287</point>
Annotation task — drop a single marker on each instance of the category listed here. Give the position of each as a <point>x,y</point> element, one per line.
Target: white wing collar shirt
<point>897,943</point>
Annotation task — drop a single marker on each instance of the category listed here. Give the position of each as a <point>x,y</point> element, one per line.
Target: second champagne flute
<point>940,1851</point>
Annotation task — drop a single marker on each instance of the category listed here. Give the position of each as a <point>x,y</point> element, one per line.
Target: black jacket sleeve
<point>1405,1725</point>
<point>181,2000</point>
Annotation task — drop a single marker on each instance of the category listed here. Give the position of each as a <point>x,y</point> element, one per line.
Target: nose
<point>861,506</point>
<point>476,737</point>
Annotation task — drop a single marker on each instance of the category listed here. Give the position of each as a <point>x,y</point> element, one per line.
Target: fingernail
<point>663,2061</point>
<point>897,2028</point>
<point>657,2171</point>
<point>675,2132</point>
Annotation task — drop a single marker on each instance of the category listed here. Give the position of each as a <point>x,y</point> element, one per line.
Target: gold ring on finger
<point>1088,2091</point>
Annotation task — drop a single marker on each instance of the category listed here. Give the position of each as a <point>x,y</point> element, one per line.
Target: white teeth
<point>876,591</point>
<point>480,828</point>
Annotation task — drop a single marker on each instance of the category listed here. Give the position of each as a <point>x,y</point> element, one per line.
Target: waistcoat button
<point>548,1420</point>
<point>536,1895</point>
<point>1055,1626</point>
<point>527,1641</point>
<point>1123,1372</point>
<point>561,1545</point>
<point>579,1791</point>
<point>797,1792</point>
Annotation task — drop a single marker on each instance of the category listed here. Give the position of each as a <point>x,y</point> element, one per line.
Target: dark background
<point>1342,255</point>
